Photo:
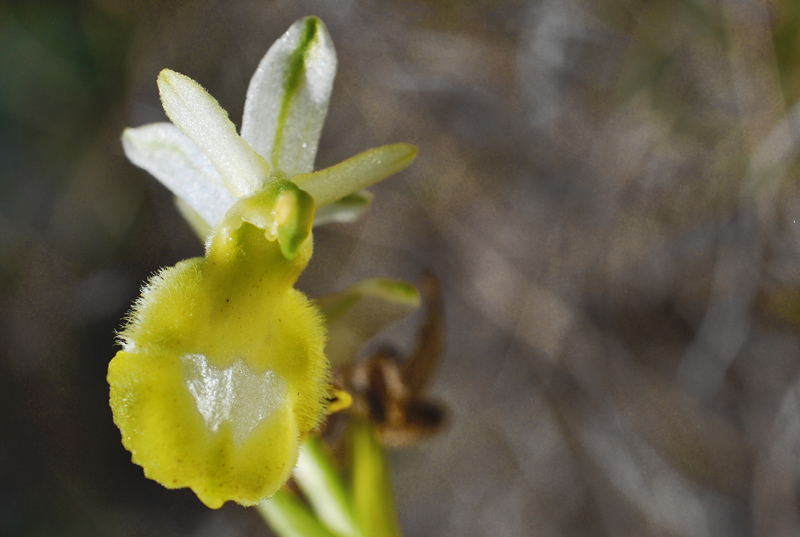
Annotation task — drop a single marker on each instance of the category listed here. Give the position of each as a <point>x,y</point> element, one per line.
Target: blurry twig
<point>775,495</point>
<point>739,258</point>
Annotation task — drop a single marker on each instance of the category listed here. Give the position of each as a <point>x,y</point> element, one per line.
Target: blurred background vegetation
<point>607,189</point>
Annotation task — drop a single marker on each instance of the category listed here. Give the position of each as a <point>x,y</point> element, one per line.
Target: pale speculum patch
<point>234,395</point>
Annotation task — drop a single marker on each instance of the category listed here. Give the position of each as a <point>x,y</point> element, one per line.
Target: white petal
<point>356,173</point>
<point>287,99</point>
<point>172,158</point>
<point>201,118</point>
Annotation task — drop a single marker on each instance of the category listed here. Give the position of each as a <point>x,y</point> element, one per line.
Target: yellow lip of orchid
<point>222,368</point>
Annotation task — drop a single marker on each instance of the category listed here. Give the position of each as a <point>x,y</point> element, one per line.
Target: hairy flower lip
<point>182,388</point>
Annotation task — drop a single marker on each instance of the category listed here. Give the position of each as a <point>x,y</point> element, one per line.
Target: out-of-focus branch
<point>773,141</point>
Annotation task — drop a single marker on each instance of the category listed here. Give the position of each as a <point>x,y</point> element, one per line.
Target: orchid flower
<point>222,371</point>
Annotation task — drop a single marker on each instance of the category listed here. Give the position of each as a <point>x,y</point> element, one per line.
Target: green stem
<point>289,517</point>
<point>322,485</point>
<point>373,498</point>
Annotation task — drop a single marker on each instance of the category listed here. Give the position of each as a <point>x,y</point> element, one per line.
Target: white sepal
<point>288,96</point>
<point>198,115</point>
<point>175,160</point>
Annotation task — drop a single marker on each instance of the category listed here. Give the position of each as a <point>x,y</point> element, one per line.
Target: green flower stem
<point>373,498</point>
<point>322,485</point>
<point>289,517</point>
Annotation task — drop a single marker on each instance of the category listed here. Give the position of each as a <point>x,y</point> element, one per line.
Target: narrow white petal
<point>201,118</point>
<point>172,158</point>
<point>288,96</point>
<point>356,173</point>
<point>343,211</point>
